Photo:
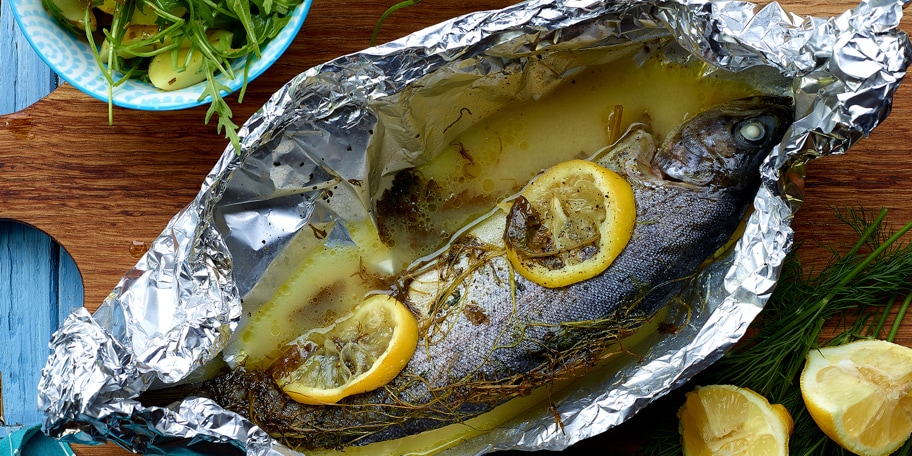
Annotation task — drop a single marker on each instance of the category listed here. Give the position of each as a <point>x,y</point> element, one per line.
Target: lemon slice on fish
<point>570,223</point>
<point>860,394</point>
<point>718,420</point>
<point>359,353</point>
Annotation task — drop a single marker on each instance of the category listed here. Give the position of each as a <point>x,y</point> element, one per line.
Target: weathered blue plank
<point>69,285</point>
<point>24,77</point>
<point>29,306</point>
<point>39,283</point>
<point>39,286</point>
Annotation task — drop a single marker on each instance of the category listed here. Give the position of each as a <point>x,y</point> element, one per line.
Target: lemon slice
<point>570,223</point>
<point>723,420</point>
<point>359,353</point>
<point>859,394</point>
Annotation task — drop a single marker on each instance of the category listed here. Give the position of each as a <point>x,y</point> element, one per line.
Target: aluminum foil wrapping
<point>351,119</point>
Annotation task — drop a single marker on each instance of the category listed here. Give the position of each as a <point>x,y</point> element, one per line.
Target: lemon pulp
<point>719,420</point>
<point>860,394</point>
<point>570,223</point>
<point>359,353</point>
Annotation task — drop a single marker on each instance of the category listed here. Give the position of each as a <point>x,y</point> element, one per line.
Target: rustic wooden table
<point>96,189</point>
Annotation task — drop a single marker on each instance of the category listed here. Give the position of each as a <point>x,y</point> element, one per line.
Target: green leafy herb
<point>216,31</point>
<point>857,290</point>
<point>390,10</point>
<point>220,106</point>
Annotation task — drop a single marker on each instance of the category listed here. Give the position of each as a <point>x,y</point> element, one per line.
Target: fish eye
<point>754,131</point>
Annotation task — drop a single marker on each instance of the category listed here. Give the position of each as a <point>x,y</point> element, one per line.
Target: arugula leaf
<point>220,107</point>
<point>390,10</point>
<point>182,24</point>
<point>242,9</point>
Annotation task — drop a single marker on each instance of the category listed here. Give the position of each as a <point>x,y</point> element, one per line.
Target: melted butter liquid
<point>487,163</point>
<point>330,282</point>
<point>497,157</point>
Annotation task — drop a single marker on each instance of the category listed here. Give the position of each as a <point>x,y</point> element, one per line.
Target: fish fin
<point>631,154</point>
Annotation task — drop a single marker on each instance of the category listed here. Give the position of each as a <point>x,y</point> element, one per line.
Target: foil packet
<point>343,121</point>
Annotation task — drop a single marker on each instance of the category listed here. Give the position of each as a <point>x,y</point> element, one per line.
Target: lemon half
<point>359,353</point>
<point>859,394</point>
<point>570,223</point>
<point>726,420</point>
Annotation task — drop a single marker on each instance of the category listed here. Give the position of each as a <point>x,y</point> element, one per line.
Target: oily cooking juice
<point>497,157</point>
<point>444,284</point>
<point>487,163</point>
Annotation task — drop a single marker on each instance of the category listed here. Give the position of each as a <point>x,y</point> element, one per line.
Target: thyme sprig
<point>856,292</point>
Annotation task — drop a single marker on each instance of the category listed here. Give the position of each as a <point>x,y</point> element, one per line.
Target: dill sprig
<point>855,293</point>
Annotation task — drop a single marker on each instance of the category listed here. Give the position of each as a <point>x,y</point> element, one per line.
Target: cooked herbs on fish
<point>359,353</point>
<point>570,223</point>
<point>483,160</point>
<point>487,333</point>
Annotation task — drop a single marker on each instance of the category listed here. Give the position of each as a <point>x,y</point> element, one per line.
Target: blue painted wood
<point>28,301</point>
<point>24,78</point>
<point>39,282</point>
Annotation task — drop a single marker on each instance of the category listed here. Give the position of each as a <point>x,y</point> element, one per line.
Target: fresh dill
<point>855,293</point>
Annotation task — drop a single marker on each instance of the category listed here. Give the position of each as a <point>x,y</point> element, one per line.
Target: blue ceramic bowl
<point>72,59</point>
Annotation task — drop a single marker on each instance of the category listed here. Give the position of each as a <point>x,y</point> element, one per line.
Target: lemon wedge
<point>726,420</point>
<point>570,223</point>
<point>359,353</point>
<point>860,394</point>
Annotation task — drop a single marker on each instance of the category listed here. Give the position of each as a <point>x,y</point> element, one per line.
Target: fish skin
<point>482,347</point>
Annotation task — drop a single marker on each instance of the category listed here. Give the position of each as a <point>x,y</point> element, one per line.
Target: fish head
<point>724,146</point>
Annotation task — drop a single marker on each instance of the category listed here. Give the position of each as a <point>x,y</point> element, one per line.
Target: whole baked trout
<point>488,334</point>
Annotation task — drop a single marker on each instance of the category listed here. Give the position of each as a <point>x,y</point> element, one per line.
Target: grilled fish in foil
<point>491,335</point>
<point>327,145</point>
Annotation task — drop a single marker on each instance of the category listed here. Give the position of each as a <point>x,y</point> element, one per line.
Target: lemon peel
<point>860,394</point>
<point>570,223</point>
<point>727,420</point>
<point>361,352</point>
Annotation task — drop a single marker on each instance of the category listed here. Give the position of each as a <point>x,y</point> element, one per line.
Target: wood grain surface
<point>97,189</point>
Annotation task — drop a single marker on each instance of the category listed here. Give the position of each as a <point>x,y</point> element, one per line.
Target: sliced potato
<point>72,13</point>
<point>108,6</point>
<point>215,36</point>
<point>142,15</point>
<point>146,15</point>
<point>135,34</point>
<point>164,76</point>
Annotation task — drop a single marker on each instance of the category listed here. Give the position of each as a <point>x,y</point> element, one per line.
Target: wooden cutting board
<point>98,189</point>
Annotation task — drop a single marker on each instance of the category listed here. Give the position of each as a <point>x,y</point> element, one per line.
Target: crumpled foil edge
<point>845,71</point>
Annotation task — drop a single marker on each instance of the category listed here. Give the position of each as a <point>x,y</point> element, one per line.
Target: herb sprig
<point>390,10</point>
<point>856,291</point>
